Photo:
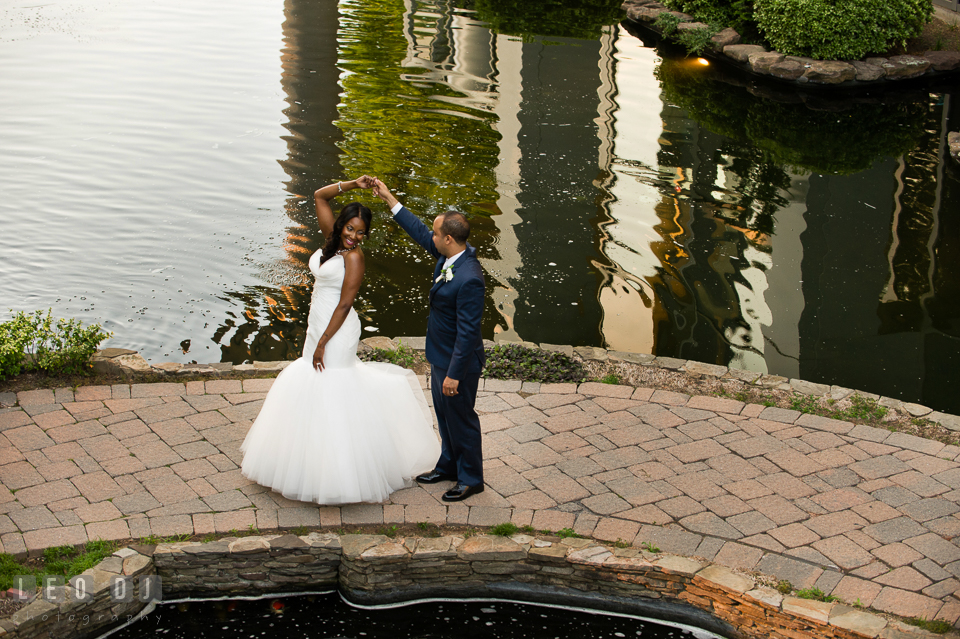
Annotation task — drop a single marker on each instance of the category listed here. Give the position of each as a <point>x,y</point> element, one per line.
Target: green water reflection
<point>620,196</point>
<point>583,19</point>
<point>845,139</point>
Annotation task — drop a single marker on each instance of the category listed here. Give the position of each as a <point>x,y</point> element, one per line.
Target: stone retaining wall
<point>800,70</point>
<point>62,615</point>
<point>273,563</point>
<point>375,569</point>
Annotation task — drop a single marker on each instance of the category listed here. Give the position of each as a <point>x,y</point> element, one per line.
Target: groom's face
<point>441,241</point>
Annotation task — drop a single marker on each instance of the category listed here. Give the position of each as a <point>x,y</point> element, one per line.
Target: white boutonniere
<point>446,275</point>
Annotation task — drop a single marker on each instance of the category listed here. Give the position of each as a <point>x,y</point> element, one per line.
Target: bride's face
<point>354,232</point>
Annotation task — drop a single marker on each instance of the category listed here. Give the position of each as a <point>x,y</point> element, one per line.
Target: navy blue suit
<point>455,350</point>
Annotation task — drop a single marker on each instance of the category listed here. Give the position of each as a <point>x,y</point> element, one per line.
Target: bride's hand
<point>318,358</point>
<point>365,182</point>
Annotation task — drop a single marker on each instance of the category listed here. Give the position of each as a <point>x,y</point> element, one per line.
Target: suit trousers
<point>461,454</point>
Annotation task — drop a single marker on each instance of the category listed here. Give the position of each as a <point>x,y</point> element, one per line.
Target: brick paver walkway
<point>861,513</point>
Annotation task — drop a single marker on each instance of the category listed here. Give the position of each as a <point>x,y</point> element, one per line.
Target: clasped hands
<point>379,188</point>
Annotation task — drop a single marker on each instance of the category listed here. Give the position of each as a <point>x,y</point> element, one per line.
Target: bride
<point>333,429</point>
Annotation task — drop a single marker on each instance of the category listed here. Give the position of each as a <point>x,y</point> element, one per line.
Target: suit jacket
<point>456,307</point>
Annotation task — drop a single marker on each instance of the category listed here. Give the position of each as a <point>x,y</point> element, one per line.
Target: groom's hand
<point>380,191</point>
<point>450,386</point>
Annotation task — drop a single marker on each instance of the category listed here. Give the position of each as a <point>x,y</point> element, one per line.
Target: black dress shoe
<point>433,477</point>
<point>461,492</point>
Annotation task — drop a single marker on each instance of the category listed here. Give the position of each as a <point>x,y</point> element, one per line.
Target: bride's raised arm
<point>323,195</point>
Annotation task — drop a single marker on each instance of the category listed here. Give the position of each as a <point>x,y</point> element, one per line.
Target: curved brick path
<point>859,512</point>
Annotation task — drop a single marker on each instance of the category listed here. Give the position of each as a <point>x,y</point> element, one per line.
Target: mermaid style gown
<point>355,432</point>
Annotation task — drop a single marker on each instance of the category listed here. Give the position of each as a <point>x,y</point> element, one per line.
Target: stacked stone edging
<point>375,569</point>
<point>270,563</point>
<point>797,69</point>
<point>127,362</point>
<point>44,618</point>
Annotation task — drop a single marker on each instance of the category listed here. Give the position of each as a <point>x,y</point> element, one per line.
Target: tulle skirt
<point>349,434</point>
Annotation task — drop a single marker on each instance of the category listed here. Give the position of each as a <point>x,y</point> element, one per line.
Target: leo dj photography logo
<point>122,589</point>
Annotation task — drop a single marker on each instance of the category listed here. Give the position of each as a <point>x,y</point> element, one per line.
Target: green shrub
<point>737,14</point>
<point>667,23</point>
<point>840,29</point>
<point>697,40</point>
<point>36,342</point>
<point>14,336</point>
<point>513,361</point>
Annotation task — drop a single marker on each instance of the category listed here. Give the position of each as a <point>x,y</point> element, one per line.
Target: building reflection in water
<point>272,325</point>
<point>604,213</point>
<point>620,225</point>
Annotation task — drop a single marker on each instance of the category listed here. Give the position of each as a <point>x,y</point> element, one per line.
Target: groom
<point>454,346</point>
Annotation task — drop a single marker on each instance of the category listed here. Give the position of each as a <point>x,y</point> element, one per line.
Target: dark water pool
<point>327,615</point>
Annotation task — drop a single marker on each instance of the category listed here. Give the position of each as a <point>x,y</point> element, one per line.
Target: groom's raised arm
<point>409,222</point>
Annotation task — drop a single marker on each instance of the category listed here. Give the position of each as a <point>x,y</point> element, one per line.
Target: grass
<point>508,529</point>
<point>388,531</point>
<point>860,409</point>
<point>611,378</point>
<point>505,530</point>
<point>650,547</point>
<point>784,587</point>
<point>401,355</point>
<point>565,533</point>
<point>938,626</point>
<point>815,594</point>
<point>59,561</point>
<point>428,529</point>
<point>153,540</point>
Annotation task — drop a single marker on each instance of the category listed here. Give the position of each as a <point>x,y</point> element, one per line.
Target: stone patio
<point>861,513</point>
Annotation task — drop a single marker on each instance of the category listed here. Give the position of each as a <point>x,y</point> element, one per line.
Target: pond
<point>158,161</point>
<point>327,615</point>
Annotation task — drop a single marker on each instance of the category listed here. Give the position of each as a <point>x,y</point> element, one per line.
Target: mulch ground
<point>937,35</point>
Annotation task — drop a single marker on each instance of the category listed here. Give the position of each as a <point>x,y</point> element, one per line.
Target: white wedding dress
<point>355,432</point>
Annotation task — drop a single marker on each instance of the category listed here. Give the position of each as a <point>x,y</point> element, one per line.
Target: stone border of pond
<point>129,363</point>
<point>376,569</point>
<point>797,70</point>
